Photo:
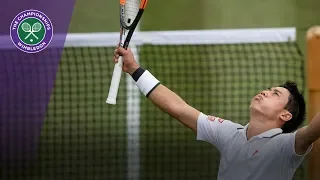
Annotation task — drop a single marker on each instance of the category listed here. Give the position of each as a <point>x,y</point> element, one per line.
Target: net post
<point>313,73</point>
<point>133,123</point>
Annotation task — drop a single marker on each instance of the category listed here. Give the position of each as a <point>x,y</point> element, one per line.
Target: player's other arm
<point>161,96</point>
<point>307,135</point>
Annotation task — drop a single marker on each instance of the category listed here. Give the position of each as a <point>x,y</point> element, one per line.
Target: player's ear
<point>285,115</point>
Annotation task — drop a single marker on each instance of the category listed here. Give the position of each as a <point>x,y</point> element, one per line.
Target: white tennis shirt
<point>268,156</point>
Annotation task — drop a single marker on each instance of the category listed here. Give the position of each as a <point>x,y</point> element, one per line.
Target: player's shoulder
<point>280,139</point>
<point>284,136</point>
<point>224,121</point>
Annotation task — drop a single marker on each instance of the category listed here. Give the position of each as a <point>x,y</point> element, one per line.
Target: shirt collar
<point>268,134</point>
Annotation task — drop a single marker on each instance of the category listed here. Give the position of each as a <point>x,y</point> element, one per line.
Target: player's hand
<point>129,63</point>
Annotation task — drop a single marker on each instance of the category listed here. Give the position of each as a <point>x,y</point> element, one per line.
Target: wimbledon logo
<point>31,31</point>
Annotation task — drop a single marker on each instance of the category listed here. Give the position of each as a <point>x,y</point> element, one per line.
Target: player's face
<point>271,103</point>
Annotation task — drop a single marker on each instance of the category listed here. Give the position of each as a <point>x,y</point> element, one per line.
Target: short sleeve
<point>288,146</point>
<point>215,130</point>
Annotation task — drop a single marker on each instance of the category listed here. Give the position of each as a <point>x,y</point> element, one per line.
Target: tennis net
<point>216,71</point>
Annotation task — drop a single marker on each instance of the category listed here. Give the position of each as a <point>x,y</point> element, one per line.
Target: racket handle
<point>115,81</point>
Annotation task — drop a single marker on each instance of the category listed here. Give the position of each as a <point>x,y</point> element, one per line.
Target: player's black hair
<point>296,106</point>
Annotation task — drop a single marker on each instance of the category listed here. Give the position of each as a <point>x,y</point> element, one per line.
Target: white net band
<point>194,37</point>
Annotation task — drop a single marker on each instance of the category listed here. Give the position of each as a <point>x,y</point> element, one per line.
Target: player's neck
<point>259,125</point>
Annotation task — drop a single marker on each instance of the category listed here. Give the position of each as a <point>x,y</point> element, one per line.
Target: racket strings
<point>26,27</point>
<point>36,27</point>
<point>131,10</point>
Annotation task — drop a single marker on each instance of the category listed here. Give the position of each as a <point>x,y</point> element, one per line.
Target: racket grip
<point>115,81</point>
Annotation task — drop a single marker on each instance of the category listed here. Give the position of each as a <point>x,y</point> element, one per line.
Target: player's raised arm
<point>307,135</point>
<point>213,130</point>
<point>161,96</point>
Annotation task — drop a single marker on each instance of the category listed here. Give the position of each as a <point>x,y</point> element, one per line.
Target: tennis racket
<point>130,15</point>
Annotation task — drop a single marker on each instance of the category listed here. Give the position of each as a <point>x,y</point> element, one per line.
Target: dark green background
<point>101,15</point>
<point>39,34</point>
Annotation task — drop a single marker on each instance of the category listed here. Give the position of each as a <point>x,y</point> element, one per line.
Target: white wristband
<point>147,83</point>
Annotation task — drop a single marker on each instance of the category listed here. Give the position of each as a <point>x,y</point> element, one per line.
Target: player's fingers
<point>120,52</point>
<point>123,51</point>
<point>128,50</point>
<point>115,56</point>
<point>115,52</point>
<point>115,60</point>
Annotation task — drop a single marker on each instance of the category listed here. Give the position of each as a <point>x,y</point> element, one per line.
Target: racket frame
<point>123,42</point>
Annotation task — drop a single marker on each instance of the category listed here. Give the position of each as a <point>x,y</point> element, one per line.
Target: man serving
<point>270,146</point>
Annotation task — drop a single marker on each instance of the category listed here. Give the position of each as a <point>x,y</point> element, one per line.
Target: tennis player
<point>269,147</point>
